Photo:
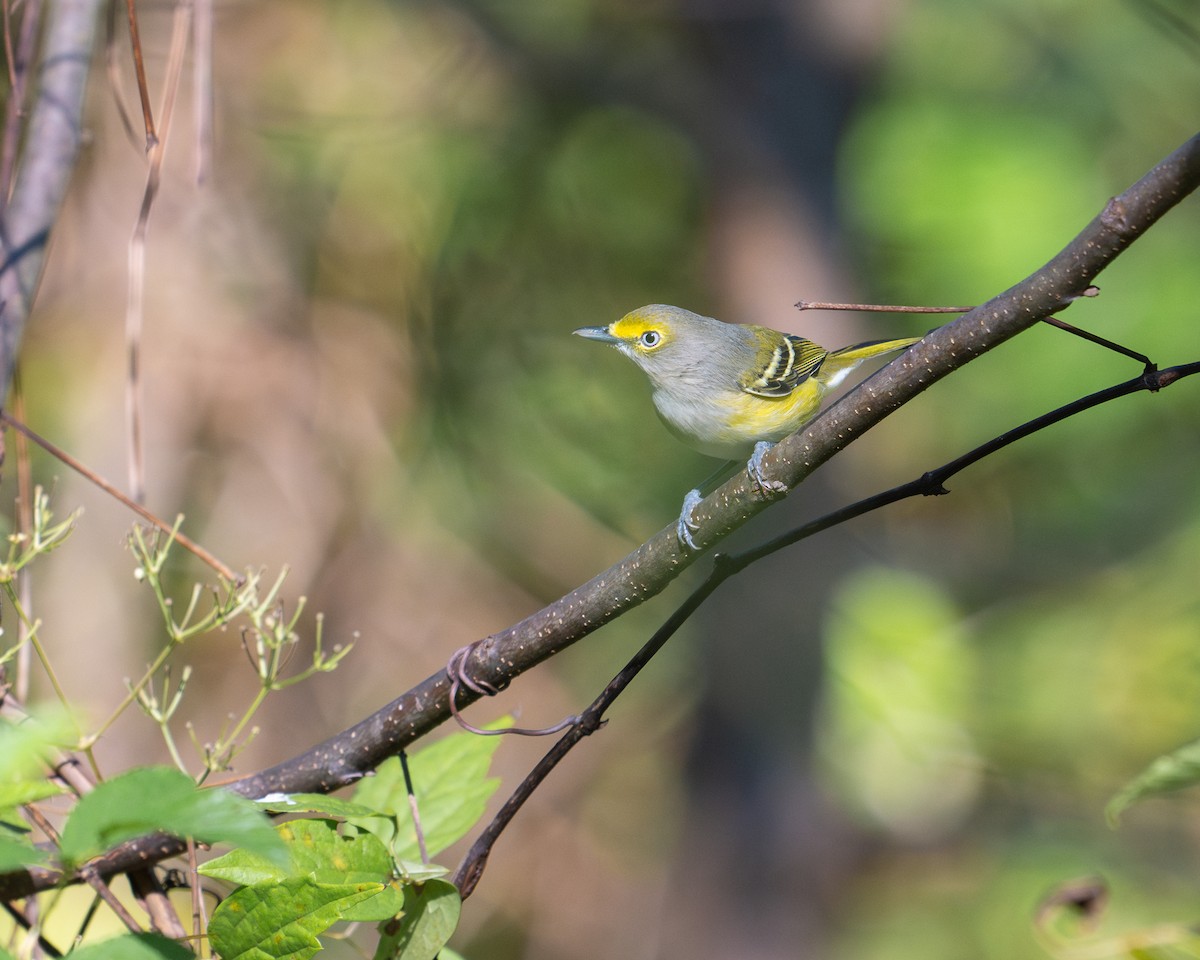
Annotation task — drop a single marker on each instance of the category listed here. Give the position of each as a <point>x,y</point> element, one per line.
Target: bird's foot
<point>685,527</point>
<point>770,489</point>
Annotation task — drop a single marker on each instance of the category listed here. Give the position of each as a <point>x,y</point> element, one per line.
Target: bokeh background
<point>889,742</point>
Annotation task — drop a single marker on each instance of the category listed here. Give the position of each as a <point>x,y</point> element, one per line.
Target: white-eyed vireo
<point>729,390</point>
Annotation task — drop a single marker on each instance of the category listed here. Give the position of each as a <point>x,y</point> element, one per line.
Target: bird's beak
<point>596,333</point>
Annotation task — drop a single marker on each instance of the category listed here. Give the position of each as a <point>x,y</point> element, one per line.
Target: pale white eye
<point>650,339</point>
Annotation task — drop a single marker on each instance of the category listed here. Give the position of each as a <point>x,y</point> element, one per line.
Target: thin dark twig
<point>471,869</point>
<point>88,872</point>
<point>413,807</point>
<point>1089,291</point>
<point>88,474</point>
<point>140,68</point>
<point>724,566</point>
<point>875,307</point>
<point>1102,341</point>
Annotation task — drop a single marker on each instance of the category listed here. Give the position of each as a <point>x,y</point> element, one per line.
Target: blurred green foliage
<point>1026,644</point>
<point>457,186</point>
<point>963,174</point>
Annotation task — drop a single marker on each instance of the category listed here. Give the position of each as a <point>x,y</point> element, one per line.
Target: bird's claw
<point>770,489</point>
<point>685,527</point>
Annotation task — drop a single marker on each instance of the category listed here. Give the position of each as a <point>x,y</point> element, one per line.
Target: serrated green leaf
<point>163,799</point>
<point>14,854</point>
<point>1172,771</point>
<point>315,803</point>
<point>137,946</point>
<point>452,788</point>
<point>273,921</point>
<point>430,917</point>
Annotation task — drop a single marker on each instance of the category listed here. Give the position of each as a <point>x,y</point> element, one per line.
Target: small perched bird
<point>728,390</point>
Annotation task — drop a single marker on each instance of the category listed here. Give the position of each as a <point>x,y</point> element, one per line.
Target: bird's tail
<point>840,362</point>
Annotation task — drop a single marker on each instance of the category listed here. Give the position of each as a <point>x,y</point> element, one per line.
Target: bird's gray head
<point>661,339</point>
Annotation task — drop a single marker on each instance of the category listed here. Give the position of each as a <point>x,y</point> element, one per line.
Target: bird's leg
<point>685,526</point>
<point>770,489</point>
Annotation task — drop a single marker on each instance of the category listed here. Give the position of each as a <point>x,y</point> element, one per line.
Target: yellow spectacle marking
<point>631,326</point>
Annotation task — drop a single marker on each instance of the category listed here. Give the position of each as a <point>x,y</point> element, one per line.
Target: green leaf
<point>452,788</point>
<point>329,857</point>
<point>413,871</point>
<point>23,747</point>
<point>281,920</point>
<point>318,848</point>
<point>1172,771</point>
<point>315,803</point>
<point>388,904</point>
<point>243,868</point>
<point>18,793</point>
<point>320,853</point>
<point>15,854</point>
<point>430,917</point>
<point>154,799</point>
<point>137,946</point>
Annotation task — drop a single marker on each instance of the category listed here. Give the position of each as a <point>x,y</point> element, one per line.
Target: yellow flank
<point>752,418</point>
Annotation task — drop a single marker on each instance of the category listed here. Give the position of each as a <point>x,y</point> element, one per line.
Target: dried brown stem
<point>87,473</point>
<point>139,66</point>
